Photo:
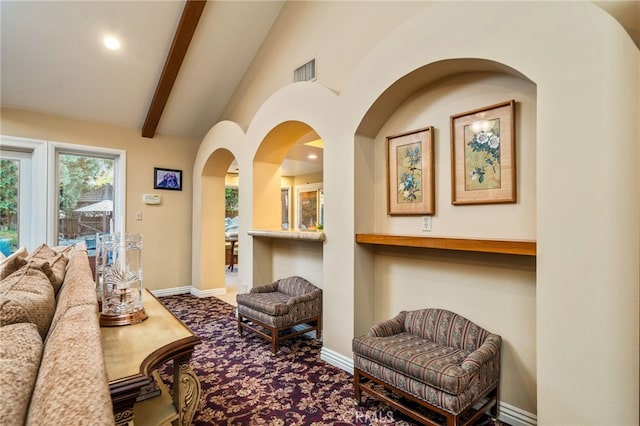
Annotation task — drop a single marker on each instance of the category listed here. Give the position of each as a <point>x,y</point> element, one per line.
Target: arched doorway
<point>288,196</point>
<point>213,213</point>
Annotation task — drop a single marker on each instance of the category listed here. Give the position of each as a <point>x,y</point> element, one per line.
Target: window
<point>231,211</point>
<point>38,179</point>
<point>285,216</point>
<point>12,165</point>
<point>309,206</point>
<point>85,198</point>
<point>89,194</point>
<point>21,205</point>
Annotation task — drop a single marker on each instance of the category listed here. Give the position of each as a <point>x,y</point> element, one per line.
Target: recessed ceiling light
<point>312,156</point>
<point>112,43</point>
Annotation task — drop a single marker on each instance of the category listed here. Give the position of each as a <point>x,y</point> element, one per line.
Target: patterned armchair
<point>272,309</point>
<point>434,358</point>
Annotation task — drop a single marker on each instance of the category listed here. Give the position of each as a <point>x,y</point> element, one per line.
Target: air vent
<point>306,72</point>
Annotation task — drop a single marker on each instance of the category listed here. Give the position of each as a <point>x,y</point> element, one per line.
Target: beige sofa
<point>52,369</point>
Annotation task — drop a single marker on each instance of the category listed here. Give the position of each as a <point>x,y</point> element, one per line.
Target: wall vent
<point>306,72</point>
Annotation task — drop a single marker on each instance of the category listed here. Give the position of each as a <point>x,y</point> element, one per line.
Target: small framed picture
<point>170,179</point>
<point>483,159</point>
<point>410,173</point>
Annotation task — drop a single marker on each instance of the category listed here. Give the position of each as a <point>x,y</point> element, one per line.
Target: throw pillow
<point>57,261</point>
<point>44,266</point>
<point>12,263</point>
<point>43,251</point>
<point>66,250</point>
<point>27,296</point>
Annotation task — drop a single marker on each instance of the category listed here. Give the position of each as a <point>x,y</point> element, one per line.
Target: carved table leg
<point>124,418</point>
<point>186,391</point>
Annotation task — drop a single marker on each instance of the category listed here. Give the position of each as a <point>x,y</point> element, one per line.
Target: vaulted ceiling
<point>54,59</point>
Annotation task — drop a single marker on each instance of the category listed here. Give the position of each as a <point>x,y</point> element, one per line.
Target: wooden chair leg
<point>275,343</point>
<point>495,410</point>
<point>356,386</point>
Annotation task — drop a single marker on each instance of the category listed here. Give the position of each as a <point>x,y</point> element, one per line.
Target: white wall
<point>586,133</point>
<point>307,30</point>
<point>432,107</point>
<point>303,258</point>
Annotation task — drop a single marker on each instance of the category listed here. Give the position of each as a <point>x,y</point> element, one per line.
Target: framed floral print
<point>483,161</point>
<point>410,174</point>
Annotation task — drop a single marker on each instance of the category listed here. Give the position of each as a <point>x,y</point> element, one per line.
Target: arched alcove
<point>391,279</point>
<point>420,79</point>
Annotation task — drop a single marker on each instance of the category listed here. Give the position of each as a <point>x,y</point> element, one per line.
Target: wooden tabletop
<point>132,351</point>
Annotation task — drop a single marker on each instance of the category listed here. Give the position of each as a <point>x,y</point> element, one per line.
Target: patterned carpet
<point>243,384</point>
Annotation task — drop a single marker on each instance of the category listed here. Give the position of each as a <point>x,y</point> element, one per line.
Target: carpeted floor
<point>243,384</point>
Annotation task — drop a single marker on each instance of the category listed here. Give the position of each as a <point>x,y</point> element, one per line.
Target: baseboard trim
<point>208,293</point>
<point>171,291</point>
<point>508,413</point>
<point>515,416</point>
<point>336,359</point>
<point>189,290</point>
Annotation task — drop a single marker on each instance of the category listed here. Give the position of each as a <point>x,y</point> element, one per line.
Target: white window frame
<point>42,201</point>
<point>33,194</point>
<point>119,182</point>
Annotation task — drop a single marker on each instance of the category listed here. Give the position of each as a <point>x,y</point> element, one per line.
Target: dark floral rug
<point>244,384</point>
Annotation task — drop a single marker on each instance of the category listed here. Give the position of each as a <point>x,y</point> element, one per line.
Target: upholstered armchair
<point>433,358</point>
<point>272,310</point>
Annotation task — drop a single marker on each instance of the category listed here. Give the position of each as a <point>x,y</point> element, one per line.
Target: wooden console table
<point>132,353</point>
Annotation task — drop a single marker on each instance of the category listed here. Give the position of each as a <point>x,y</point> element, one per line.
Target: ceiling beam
<point>186,28</point>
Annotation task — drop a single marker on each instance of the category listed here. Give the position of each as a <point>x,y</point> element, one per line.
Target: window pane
<point>308,209</point>
<point>284,200</point>
<point>9,205</point>
<point>85,198</point>
<point>231,211</point>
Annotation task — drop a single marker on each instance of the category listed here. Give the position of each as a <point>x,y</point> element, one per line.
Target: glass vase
<point>119,276</point>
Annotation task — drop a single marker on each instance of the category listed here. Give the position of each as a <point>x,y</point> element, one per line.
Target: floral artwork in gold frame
<point>410,173</point>
<point>483,161</point>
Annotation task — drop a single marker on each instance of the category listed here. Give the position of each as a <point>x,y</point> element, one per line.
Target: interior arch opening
<point>288,197</point>
<point>213,212</point>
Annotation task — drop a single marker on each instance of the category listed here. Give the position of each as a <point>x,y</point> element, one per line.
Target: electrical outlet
<point>426,223</point>
<point>244,287</point>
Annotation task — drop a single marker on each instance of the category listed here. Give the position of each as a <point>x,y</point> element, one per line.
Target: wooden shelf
<point>158,410</point>
<point>288,235</point>
<point>518,247</point>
